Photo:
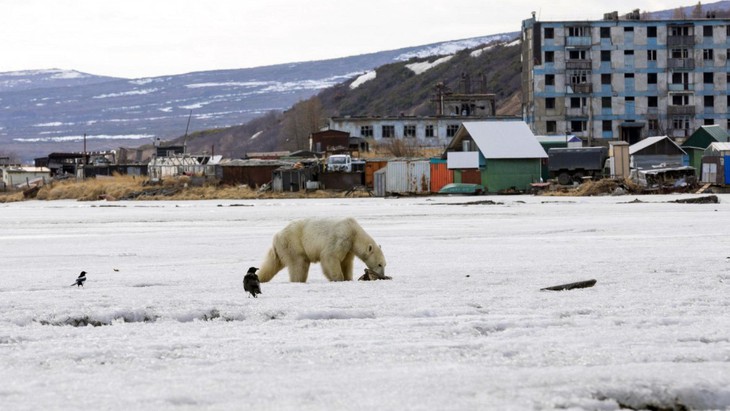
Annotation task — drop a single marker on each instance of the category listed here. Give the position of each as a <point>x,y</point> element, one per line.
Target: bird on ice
<point>80,280</point>
<point>251,282</point>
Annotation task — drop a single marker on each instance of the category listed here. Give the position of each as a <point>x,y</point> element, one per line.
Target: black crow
<point>80,280</point>
<point>251,282</point>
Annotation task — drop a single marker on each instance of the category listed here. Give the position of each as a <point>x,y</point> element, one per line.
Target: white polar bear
<point>333,242</point>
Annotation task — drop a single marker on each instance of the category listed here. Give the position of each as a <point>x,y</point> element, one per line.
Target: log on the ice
<point>570,286</point>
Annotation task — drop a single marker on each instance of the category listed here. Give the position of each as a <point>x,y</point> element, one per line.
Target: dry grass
<point>596,187</point>
<point>11,196</point>
<point>120,187</point>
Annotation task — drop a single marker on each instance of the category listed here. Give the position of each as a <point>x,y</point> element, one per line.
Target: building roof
<point>650,141</point>
<point>704,136</point>
<point>501,139</point>
<point>719,147</point>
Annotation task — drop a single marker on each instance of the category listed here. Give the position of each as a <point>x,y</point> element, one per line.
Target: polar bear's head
<point>374,259</point>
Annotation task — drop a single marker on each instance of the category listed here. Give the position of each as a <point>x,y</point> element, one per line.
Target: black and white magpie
<point>80,280</point>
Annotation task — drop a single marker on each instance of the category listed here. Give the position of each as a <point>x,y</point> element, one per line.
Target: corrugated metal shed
<point>253,173</point>
<point>440,174</point>
<point>408,176</point>
<point>704,136</point>
<point>371,166</point>
<point>718,149</point>
<point>656,145</point>
<point>379,182</point>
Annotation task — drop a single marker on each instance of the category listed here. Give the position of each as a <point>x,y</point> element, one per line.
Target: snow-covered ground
<point>461,326</point>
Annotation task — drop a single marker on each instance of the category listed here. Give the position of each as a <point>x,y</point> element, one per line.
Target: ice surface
<point>461,326</point>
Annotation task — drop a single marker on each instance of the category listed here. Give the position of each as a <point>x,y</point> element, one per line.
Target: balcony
<point>680,41</point>
<point>578,64</point>
<point>681,110</point>
<point>583,41</point>
<point>681,87</point>
<point>582,88</point>
<point>681,64</point>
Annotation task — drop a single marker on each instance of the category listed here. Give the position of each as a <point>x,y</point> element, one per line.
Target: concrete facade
<point>625,79</point>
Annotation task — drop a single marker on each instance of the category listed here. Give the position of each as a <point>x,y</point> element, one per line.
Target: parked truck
<point>344,163</point>
<point>572,164</point>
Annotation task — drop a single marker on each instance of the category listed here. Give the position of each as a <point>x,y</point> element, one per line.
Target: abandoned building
<point>625,78</point>
<point>470,102</point>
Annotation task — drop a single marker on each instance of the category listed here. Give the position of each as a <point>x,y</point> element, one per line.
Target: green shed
<point>504,153</point>
<point>696,144</point>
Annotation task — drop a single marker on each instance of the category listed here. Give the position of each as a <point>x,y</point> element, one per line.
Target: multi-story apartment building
<point>625,78</point>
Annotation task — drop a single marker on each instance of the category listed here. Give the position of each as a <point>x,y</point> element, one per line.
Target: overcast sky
<point>142,38</point>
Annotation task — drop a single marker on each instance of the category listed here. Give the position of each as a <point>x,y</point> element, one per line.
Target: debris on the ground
<point>712,199</point>
<point>371,275</point>
<point>570,286</point>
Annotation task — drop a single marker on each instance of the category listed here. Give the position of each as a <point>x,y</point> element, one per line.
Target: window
<point>605,32</point>
<point>388,131</point>
<point>550,103</point>
<point>605,102</point>
<point>629,75</point>
<point>678,31</point>
<point>653,124</point>
<point>429,131</point>
<point>709,101</point>
<point>707,54</point>
<point>651,55</point>
<point>629,99</point>
<point>680,123</point>
<point>577,102</point>
<point>680,100</point>
<point>605,55</point>
<point>651,31</point>
<point>707,78</point>
<point>578,125</point>
<point>651,78</point>
<point>679,53</point>
<point>709,121</point>
<point>551,126</point>
<point>680,78</point>
<point>628,29</point>
<point>628,52</point>
<point>606,78</point>
<point>652,101</point>
<point>409,131</point>
<point>549,32</point>
<point>549,79</point>
<point>366,131</point>
<point>707,31</point>
<point>577,55</point>
<point>727,30</point>
<point>549,56</point>
<point>579,31</point>
<point>607,125</point>
<point>451,130</point>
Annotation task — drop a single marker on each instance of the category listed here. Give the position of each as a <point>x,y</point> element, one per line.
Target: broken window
<point>653,124</point>
<point>606,79</point>
<point>651,55</point>
<point>579,31</point>
<point>549,32</point>
<point>551,126</point>
<point>652,101</point>
<point>680,100</point>
<point>605,32</point>
<point>549,79</point>
<point>709,101</point>
<point>409,131</point>
<point>366,131</point>
<point>605,102</point>
<point>651,78</point>
<point>707,54</point>
<point>577,55</point>
<point>388,131</point>
<point>680,122</point>
<point>707,31</point>
<point>429,131</point>
<point>605,55</point>
<point>679,53</point>
<point>651,31</point>
<point>707,78</point>
<point>451,130</point>
<point>549,57</point>
<point>607,125</point>
<point>550,103</point>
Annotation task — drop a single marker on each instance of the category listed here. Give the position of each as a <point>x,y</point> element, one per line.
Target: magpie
<point>251,282</point>
<point>80,280</point>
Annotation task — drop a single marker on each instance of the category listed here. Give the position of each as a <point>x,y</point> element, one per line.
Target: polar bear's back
<point>314,236</point>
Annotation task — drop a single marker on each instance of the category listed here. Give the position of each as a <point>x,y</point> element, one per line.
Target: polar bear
<point>333,242</point>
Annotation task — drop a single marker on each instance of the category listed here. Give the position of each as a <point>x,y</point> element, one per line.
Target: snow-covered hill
<point>50,110</point>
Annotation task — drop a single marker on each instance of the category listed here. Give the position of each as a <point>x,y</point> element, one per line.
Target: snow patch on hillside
<point>127,93</point>
<point>514,42</point>
<point>256,135</point>
<point>454,46</point>
<point>422,67</point>
<point>80,138</point>
<point>369,75</point>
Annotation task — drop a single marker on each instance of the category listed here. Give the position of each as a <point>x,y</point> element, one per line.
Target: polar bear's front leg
<point>331,268</point>
<point>346,267</point>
